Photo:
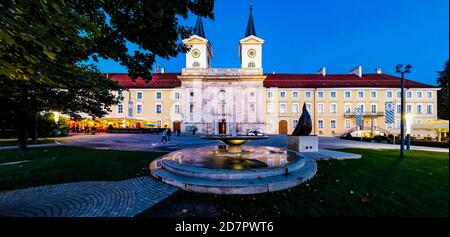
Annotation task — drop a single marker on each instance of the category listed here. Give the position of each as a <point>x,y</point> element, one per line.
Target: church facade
<point>216,100</point>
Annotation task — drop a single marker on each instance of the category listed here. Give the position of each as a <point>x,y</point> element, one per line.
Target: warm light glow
<point>409,118</point>
<point>56,116</point>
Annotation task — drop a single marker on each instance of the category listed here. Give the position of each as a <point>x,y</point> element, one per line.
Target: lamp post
<point>399,69</point>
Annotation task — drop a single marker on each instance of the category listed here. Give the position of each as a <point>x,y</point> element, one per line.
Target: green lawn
<point>379,184</point>
<point>14,141</point>
<point>62,164</point>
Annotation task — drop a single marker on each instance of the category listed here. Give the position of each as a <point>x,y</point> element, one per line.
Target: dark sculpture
<point>304,125</point>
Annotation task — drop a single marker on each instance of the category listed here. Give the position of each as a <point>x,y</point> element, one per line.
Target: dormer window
<point>196,64</point>
<point>251,64</point>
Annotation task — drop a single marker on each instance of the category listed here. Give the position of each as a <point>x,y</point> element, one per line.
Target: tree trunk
<point>23,136</point>
<point>35,128</point>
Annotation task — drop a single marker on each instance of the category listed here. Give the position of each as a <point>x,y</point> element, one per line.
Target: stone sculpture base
<point>303,143</point>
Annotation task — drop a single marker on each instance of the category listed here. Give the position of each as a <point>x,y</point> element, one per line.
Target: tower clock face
<point>195,53</point>
<point>251,53</point>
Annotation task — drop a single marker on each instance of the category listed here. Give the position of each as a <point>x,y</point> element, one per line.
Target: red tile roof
<point>164,80</point>
<point>170,80</point>
<point>338,80</point>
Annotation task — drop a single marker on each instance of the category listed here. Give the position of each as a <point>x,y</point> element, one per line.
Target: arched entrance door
<point>222,127</point>
<point>176,125</point>
<point>282,127</point>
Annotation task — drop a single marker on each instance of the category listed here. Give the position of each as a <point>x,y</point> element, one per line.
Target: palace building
<point>216,100</point>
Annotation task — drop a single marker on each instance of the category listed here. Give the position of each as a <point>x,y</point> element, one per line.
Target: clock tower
<point>250,50</point>
<point>200,54</point>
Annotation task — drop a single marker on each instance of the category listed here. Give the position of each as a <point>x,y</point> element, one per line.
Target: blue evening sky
<point>302,36</point>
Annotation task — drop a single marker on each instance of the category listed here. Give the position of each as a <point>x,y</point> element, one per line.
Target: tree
<point>443,93</point>
<point>44,46</point>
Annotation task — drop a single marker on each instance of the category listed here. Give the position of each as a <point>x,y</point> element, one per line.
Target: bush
<point>379,138</point>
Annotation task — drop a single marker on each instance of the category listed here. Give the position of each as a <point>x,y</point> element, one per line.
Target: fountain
<point>233,168</point>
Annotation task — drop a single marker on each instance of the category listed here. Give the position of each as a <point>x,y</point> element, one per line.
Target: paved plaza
<point>150,142</point>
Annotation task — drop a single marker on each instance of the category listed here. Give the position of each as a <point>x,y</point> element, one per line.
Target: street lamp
<point>399,69</point>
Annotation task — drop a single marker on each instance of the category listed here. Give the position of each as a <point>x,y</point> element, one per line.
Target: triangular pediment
<point>195,39</point>
<point>252,40</point>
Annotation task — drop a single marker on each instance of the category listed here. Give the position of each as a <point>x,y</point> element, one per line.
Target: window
<point>419,95</point>
<point>320,108</point>
<point>158,95</point>
<point>361,107</point>
<point>333,123</point>
<point>282,94</point>
<point>308,94</point>
<point>295,94</point>
<point>348,123</point>
<point>397,123</point>
<point>419,109</point>
<point>373,108</point>
<point>158,108</point>
<point>308,107</point>
<point>177,95</point>
<point>399,108</point>
<point>429,109</point>
<point>360,94</point>
<point>269,108</point>
<point>252,107</point>
<point>348,108</point>
<point>418,121</point>
<point>389,94</point>
<point>320,94</point>
<point>191,107</point>
<point>139,95</point>
<point>333,108</point>
<point>120,95</point>
<point>270,162</point>
<point>158,123</point>
<point>251,64</point>
<point>270,94</point>
<point>320,123</point>
<point>120,108</point>
<point>408,108</point>
<point>348,94</point>
<point>429,94</point>
<point>139,108</point>
<point>294,108</point>
<point>399,94</point>
<point>373,94</point>
<point>196,64</point>
<point>177,109</point>
<point>333,94</point>
<point>282,108</point>
<point>409,94</point>
<point>294,123</point>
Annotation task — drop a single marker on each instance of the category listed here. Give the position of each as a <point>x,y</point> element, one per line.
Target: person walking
<point>164,136</point>
<point>169,134</point>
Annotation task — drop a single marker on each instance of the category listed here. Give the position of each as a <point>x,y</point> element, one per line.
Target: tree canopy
<point>44,46</point>
<point>443,93</point>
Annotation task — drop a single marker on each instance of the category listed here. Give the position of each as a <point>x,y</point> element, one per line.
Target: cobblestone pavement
<point>125,198</point>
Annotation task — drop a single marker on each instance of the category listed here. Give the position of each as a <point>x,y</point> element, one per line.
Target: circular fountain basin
<point>255,169</point>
